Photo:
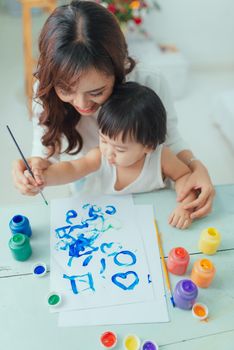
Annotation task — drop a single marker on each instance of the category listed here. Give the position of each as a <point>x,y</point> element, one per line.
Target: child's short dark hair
<point>134,110</point>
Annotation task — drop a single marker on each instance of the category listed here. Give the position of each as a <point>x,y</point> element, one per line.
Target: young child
<point>131,157</point>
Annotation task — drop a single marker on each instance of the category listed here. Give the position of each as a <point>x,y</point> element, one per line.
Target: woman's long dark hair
<point>74,38</point>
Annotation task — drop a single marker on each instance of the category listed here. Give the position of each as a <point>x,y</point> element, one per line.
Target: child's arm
<point>66,172</point>
<point>176,170</point>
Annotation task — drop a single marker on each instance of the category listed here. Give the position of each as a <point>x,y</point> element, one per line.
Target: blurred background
<point>191,42</point>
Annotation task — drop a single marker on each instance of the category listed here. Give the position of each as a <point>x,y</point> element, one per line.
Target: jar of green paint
<point>20,247</point>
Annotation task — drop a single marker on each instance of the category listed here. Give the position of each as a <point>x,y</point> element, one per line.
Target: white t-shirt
<point>150,179</point>
<point>88,129</point>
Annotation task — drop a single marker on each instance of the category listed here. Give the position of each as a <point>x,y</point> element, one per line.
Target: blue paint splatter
<point>82,246</point>
<point>111,210</point>
<point>125,252</point>
<point>86,278</point>
<point>103,264</point>
<point>103,246</point>
<point>87,260</point>
<point>71,214</point>
<point>63,232</point>
<point>149,279</point>
<point>123,276</point>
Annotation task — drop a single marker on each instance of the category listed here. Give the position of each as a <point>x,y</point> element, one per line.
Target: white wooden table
<point>26,323</point>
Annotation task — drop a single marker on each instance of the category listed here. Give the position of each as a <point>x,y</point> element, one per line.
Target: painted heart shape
<point>125,280</point>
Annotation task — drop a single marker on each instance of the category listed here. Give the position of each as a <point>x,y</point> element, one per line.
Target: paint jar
<point>19,245</point>
<point>149,345</point>
<point>185,294</point>
<point>20,224</point>
<point>210,240</point>
<point>39,269</point>
<point>203,273</point>
<point>178,260</point>
<point>132,342</point>
<point>200,311</point>
<point>108,340</point>
<point>54,299</point>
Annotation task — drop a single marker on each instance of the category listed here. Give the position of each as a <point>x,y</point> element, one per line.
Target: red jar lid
<point>181,253</point>
<point>108,340</point>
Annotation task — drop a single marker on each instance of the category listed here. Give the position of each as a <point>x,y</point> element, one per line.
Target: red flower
<point>137,20</point>
<point>111,8</point>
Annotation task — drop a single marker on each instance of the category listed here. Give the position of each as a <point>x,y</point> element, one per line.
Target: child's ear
<point>148,149</point>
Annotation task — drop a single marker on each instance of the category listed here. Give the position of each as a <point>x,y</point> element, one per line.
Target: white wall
<point>202,29</point>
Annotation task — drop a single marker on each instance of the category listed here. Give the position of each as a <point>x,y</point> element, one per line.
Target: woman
<point>83,54</point>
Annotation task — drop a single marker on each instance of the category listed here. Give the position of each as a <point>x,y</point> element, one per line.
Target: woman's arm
<point>37,160</point>
<point>176,170</point>
<point>199,178</point>
<point>200,182</point>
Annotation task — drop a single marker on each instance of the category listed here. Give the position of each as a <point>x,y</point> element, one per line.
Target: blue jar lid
<point>18,219</point>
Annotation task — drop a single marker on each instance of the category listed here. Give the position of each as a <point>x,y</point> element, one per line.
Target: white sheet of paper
<point>145,312</point>
<point>97,253</point>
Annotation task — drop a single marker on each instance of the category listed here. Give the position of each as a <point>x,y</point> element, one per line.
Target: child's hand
<point>180,218</point>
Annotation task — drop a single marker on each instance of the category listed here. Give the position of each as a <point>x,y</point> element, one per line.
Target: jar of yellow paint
<point>210,240</point>
<point>131,342</point>
<point>203,272</point>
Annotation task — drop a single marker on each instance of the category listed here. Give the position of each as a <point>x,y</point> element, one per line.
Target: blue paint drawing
<point>86,278</point>
<point>119,278</point>
<point>83,239</point>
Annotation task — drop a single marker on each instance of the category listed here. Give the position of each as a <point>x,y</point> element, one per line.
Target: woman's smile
<point>89,110</point>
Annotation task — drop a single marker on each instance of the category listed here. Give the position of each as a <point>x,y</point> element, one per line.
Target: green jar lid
<point>18,239</point>
<point>54,299</point>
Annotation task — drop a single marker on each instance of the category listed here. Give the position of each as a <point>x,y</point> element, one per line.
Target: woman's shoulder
<point>145,76</point>
<point>155,80</point>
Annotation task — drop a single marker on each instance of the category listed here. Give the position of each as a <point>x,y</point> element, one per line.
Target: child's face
<point>122,154</point>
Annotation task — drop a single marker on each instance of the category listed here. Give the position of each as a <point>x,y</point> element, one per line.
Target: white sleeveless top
<point>103,181</point>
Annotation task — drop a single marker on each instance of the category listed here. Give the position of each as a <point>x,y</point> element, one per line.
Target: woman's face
<point>91,91</point>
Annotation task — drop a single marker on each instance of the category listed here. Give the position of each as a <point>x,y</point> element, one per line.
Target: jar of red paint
<point>108,340</point>
<point>178,260</point>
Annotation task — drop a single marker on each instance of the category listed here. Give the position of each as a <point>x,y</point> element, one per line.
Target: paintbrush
<point>25,162</point>
<point>166,276</point>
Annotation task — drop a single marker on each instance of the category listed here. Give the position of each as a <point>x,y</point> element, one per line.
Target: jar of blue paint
<point>20,224</point>
<point>185,294</point>
<point>20,247</point>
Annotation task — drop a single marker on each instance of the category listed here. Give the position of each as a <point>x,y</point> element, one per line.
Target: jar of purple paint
<point>149,345</point>
<point>185,294</point>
